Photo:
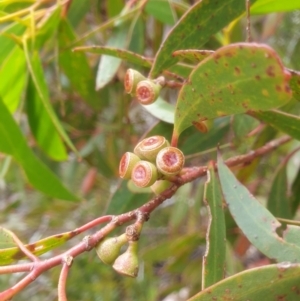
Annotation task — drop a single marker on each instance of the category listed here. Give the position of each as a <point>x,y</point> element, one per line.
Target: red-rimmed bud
<point>149,147</point>
<point>131,79</point>
<point>147,91</point>
<point>144,174</point>
<point>109,248</point>
<point>170,161</point>
<point>126,165</point>
<point>127,264</point>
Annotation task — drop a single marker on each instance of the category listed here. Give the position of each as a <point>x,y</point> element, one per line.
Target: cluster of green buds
<point>152,162</point>
<point>144,89</point>
<point>108,250</point>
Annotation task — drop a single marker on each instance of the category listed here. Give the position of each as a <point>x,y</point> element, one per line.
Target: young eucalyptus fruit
<point>109,248</point>
<point>170,161</point>
<point>127,263</point>
<point>126,165</point>
<point>149,147</point>
<point>161,185</point>
<point>132,78</point>
<point>147,91</point>
<point>144,174</point>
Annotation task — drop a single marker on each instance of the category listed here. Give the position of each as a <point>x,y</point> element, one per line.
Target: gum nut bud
<point>148,148</point>
<point>127,264</point>
<point>147,91</point>
<point>126,165</point>
<point>132,78</point>
<point>159,186</point>
<point>170,161</point>
<point>109,248</point>
<point>144,174</point>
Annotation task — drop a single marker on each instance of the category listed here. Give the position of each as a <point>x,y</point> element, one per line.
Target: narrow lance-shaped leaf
<point>291,234</point>
<point>123,54</point>
<point>37,74</point>
<point>235,79</point>
<point>295,197</point>
<point>288,123</point>
<point>271,6</point>
<point>6,239</point>
<point>192,55</point>
<point>256,222</point>
<point>76,66</point>
<point>194,29</point>
<point>266,283</point>
<point>42,126</point>
<point>108,65</point>
<point>295,83</point>
<point>10,254</point>
<point>13,77</point>
<point>278,201</point>
<point>161,110</point>
<point>213,266</point>
<point>13,143</point>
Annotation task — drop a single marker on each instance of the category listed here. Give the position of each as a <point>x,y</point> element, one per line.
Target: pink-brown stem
<point>38,267</point>
<point>62,295</point>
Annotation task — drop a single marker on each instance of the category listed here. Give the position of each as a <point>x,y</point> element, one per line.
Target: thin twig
<point>37,268</point>
<point>67,262</point>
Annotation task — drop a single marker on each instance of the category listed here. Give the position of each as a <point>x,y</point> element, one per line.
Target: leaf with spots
<point>204,19</point>
<point>123,54</point>
<point>295,83</point>
<point>269,283</point>
<point>256,222</point>
<point>9,254</point>
<point>192,55</point>
<point>235,79</point>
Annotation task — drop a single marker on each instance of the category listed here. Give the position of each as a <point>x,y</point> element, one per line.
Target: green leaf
<point>289,124</point>
<point>192,55</point>
<point>9,254</point>
<point>13,77</point>
<point>266,283</point>
<point>194,29</point>
<point>6,239</point>
<point>295,198</point>
<point>76,66</point>
<point>13,143</point>
<point>235,79</point>
<point>242,125</point>
<point>38,78</point>
<point>278,202</point>
<point>295,83</point>
<point>108,65</point>
<point>271,6</point>
<point>161,10</point>
<point>47,27</point>
<point>213,266</point>
<point>124,200</point>
<point>180,208</point>
<point>161,110</point>
<point>42,126</point>
<point>256,222</point>
<point>6,38</point>
<point>192,141</point>
<point>123,54</point>
<point>291,234</point>
<point>182,70</point>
